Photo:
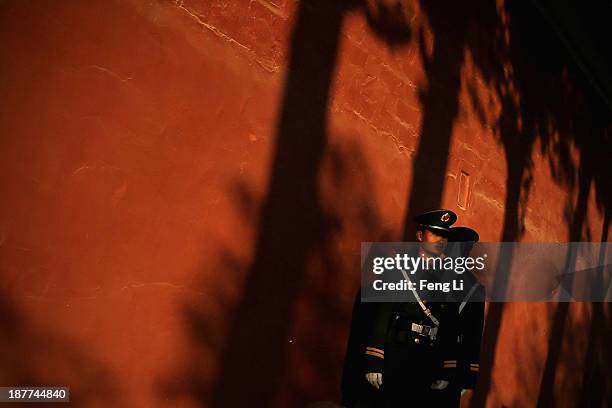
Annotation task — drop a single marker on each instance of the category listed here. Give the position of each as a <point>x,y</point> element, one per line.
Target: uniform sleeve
<point>448,343</point>
<point>376,334</point>
<point>472,323</point>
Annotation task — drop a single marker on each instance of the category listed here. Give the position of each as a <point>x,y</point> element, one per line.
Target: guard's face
<point>433,243</point>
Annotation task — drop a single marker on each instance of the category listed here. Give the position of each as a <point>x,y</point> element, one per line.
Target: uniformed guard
<point>470,322</point>
<point>414,344</point>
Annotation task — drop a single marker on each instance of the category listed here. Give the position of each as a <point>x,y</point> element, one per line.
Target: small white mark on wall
<point>463,198</point>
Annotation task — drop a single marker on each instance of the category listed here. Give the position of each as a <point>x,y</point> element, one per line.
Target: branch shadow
<point>294,228</point>
<point>546,101</point>
<point>294,231</point>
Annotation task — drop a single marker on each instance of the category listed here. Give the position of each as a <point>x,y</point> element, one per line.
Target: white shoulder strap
<point>418,298</point>
<point>467,297</point>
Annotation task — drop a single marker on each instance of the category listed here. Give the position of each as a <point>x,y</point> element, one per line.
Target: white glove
<point>439,385</point>
<point>375,379</point>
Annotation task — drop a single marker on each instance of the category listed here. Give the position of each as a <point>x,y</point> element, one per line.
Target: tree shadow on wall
<point>544,100</point>
<point>530,76</point>
<point>316,331</point>
<point>594,392</point>
<point>294,228</point>
<point>293,223</point>
<point>452,26</point>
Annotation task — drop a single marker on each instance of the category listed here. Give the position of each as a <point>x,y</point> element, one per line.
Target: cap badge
<point>445,217</point>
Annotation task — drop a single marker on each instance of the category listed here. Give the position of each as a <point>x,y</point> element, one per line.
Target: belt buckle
<point>421,329</point>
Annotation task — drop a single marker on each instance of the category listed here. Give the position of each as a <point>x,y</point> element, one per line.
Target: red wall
<point>185,186</point>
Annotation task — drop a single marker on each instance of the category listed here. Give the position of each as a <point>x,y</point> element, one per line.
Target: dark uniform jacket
<point>391,328</point>
<point>470,325</point>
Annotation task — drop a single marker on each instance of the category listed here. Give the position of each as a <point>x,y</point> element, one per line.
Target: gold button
<point>417,341</point>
